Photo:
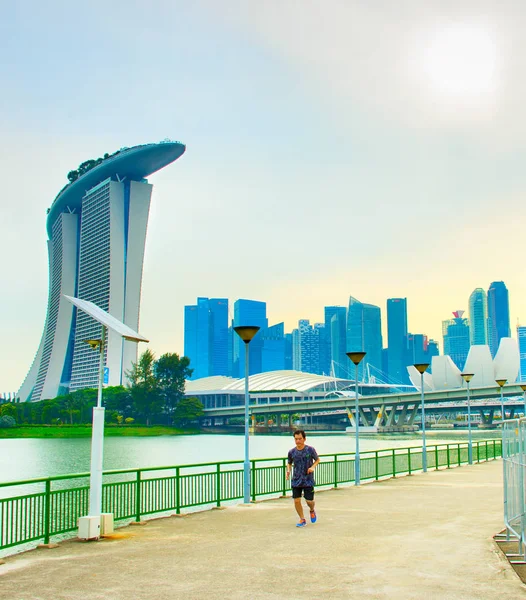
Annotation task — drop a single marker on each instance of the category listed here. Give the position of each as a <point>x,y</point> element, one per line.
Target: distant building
<point>397,342</point>
<point>309,341</point>
<point>364,333</point>
<point>478,317</point>
<point>274,348</point>
<point>456,338</point>
<point>336,340</point>
<point>249,312</point>
<point>521,338</point>
<point>420,349</point>
<point>206,337</point>
<point>97,231</point>
<point>498,315</point>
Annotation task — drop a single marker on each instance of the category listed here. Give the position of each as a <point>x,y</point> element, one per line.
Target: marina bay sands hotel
<point>97,231</point>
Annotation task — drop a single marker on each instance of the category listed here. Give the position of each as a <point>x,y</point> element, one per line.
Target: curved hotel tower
<point>97,232</point>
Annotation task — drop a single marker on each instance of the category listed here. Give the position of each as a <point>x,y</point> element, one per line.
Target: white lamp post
<point>467,377</point>
<point>356,358</point>
<point>246,333</point>
<point>501,383</point>
<point>89,526</point>
<point>421,368</point>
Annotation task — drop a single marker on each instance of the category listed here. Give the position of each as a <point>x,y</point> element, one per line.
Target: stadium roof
<point>130,163</point>
<point>270,381</point>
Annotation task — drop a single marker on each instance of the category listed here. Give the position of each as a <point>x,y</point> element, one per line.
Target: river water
<point>31,458</point>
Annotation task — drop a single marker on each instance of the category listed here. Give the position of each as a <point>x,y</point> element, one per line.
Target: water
<point>31,458</point>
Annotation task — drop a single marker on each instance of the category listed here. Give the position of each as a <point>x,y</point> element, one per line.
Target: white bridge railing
<point>514,459</point>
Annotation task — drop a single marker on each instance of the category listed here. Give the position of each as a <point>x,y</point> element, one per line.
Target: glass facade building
<point>498,315</point>
<point>478,317</point>
<point>397,340</point>
<point>249,312</point>
<point>521,338</point>
<point>456,338</point>
<point>364,333</point>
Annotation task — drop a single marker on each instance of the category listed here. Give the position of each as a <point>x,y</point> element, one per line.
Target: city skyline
<point>313,171</point>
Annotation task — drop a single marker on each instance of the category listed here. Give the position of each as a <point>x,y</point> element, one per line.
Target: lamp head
<point>246,332</point>
<point>501,382</point>
<point>356,357</point>
<point>467,377</point>
<point>94,344</point>
<point>421,367</point>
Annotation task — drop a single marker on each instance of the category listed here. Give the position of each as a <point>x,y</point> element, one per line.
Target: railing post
<point>448,461</point>
<point>138,497</point>
<point>253,477</point>
<point>284,477</point>
<point>218,485</point>
<point>458,454</point>
<point>47,512</point>
<point>436,458</point>
<point>394,463</point>
<point>335,470</point>
<point>376,464</point>
<point>409,459</point>
<point>177,491</point>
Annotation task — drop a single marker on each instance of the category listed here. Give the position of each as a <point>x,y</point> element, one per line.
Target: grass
<point>84,431</point>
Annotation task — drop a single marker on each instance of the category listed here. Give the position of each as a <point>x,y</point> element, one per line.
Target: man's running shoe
<point>313,516</point>
<point>302,523</point>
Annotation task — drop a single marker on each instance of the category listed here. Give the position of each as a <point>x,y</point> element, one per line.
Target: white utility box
<point>106,523</point>
<point>89,528</point>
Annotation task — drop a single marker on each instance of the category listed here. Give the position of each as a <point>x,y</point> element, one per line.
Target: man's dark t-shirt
<point>302,460</point>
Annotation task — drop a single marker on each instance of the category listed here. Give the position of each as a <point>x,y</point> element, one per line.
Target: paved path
<point>424,536</point>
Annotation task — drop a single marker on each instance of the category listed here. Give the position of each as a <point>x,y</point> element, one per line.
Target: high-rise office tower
<point>309,341</point>
<point>364,332</point>
<point>206,337</point>
<point>273,353</point>
<point>478,317</point>
<point>249,312</point>
<point>335,335</point>
<point>456,338</point>
<point>521,338</point>
<point>97,232</point>
<point>397,343</point>
<point>421,350</point>
<point>498,315</point>
<point>296,350</point>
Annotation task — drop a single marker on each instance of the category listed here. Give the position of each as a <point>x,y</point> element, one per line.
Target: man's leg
<point>309,497</point>
<point>299,508</point>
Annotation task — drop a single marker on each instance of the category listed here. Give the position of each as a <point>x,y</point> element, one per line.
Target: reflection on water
<point>31,458</point>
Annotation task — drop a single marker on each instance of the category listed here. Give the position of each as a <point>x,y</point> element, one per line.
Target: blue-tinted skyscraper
<point>498,315</point>
<point>335,334</point>
<point>206,337</point>
<point>397,343</point>
<point>364,332</point>
<point>309,341</point>
<point>478,317</point>
<point>249,312</point>
<point>521,338</point>
<point>273,353</point>
<point>456,338</point>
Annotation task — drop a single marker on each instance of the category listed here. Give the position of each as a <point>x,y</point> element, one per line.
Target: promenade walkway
<point>424,536</point>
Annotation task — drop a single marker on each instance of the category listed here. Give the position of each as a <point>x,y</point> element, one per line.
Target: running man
<point>305,459</point>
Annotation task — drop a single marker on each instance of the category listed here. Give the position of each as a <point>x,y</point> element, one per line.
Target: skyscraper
<point>97,232</point>
<point>478,317</point>
<point>456,338</point>
<point>335,338</point>
<point>397,344</point>
<point>273,353</point>
<point>364,332</point>
<point>498,315</point>
<point>249,312</point>
<point>309,341</point>
<point>206,337</point>
<point>521,338</point>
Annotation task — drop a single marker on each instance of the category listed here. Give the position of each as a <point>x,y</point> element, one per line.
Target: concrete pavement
<point>424,536</point>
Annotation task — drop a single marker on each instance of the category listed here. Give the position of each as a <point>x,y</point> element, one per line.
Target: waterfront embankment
<point>422,536</point>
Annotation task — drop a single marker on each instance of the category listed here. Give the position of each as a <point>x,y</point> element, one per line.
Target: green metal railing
<point>40,509</point>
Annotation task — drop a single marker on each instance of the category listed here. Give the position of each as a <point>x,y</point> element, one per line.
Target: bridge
<point>383,410</point>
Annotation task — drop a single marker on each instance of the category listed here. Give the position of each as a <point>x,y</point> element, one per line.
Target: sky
<point>334,148</point>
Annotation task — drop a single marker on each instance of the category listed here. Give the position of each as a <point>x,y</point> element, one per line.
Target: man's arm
<point>314,465</point>
<point>289,466</point>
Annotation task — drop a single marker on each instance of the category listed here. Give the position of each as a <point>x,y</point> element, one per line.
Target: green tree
<point>171,371</point>
<point>7,421</point>
<point>144,390</point>
<point>188,410</point>
<point>8,410</point>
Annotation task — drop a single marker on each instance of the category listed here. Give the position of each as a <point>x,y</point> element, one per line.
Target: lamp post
<point>501,383</point>
<point>467,377</point>
<point>422,368</point>
<point>246,333</point>
<point>523,388</point>
<point>356,358</point>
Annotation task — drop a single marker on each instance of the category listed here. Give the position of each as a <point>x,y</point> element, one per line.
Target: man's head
<point>299,438</point>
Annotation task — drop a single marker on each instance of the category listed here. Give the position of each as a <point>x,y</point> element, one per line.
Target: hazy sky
<point>334,147</point>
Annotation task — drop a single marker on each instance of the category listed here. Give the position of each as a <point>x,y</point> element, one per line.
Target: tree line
<point>155,396</point>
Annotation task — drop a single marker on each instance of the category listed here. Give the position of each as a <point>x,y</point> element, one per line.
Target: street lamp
<point>422,368</point>
<point>246,333</point>
<point>467,377</point>
<point>523,388</point>
<point>501,383</point>
<point>356,358</point>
